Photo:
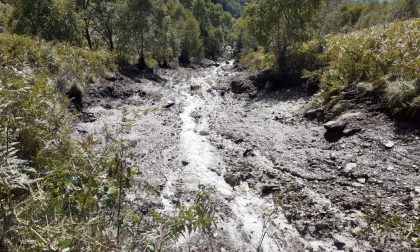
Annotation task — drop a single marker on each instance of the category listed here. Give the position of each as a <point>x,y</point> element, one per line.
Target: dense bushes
<point>386,57</point>
<point>46,177</point>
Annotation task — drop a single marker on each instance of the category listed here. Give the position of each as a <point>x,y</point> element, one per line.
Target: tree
<point>83,7</point>
<point>214,42</point>
<point>277,24</point>
<point>166,46</point>
<point>139,15</point>
<point>192,45</point>
<point>104,15</point>
<point>48,19</point>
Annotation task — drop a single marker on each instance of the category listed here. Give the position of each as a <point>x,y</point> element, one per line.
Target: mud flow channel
<point>278,184</point>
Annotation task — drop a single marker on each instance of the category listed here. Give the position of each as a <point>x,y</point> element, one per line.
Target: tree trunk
<point>141,64</point>
<point>87,35</point>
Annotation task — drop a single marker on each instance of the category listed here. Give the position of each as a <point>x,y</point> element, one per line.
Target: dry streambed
<point>279,182</point>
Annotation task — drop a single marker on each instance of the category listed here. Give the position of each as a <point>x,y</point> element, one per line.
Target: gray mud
<point>279,184</point>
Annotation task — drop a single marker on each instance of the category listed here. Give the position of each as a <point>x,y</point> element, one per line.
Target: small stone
<point>195,87</point>
<point>336,125</point>
<point>313,113</point>
<point>169,104</point>
<point>342,242</point>
<point>417,189</point>
<point>390,168</point>
<point>351,131</point>
<point>389,144</point>
<point>269,189</point>
<point>185,163</point>
<point>248,153</point>
<point>361,180</point>
<point>349,168</point>
<point>232,179</point>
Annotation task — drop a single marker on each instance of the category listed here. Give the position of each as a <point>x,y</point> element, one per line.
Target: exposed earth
<point>280,181</point>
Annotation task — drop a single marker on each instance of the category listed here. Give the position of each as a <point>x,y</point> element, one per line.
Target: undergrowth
<point>391,227</point>
<point>385,56</point>
<point>59,193</point>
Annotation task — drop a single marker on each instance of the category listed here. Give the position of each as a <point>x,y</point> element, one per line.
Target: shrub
<point>19,53</point>
<point>259,60</point>
<point>50,184</point>
<point>386,56</point>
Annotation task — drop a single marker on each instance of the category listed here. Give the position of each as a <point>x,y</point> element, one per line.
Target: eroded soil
<point>278,183</point>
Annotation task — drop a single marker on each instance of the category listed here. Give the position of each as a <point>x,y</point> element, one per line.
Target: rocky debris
<point>349,131</point>
<point>232,179</point>
<point>342,121</point>
<point>141,93</point>
<point>349,168</point>
<point>345,125</point>
<point>195,87</point>
<point>87,117</point>
<point>112,77</point>
<point>269,189</point>
<point>241,86</point>
<point>108,91</point>
<point>249,153</point>
<point>313,114</point>
<point>389,144</point>
<point>342,242</point>
<point>169,104</point>
<point>319,199</point>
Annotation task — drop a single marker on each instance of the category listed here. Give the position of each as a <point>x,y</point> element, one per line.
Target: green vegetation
<point>61,193</point>
<point>384,58</point>
<point>368,46</point>
<point>155,30</point>
<point>388,225</point>
<point>49,189</point>
<point>276,25</point>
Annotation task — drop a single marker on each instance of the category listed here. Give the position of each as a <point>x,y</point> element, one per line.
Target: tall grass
<point>386,56</point>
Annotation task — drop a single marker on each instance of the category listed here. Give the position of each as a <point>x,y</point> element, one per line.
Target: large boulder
<point>340,123</point>
<point>346,125</point>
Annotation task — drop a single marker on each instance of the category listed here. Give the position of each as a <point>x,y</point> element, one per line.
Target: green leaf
<point>136,218</point>
<point>64,243</point>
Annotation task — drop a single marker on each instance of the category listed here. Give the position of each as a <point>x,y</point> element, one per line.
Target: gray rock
<point>361,180</point>
<point>335,125</point>
<point>349,168</point>
<point>339,124</point>
<point>232,179</point>
<point>342,242</point>
<point>195,87</point>
<point>169,104</point>
<point>313,113</point>
<point>389,144</point>
<point>349,131</point>
<point>240,86</point>
<point>269,189</point>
